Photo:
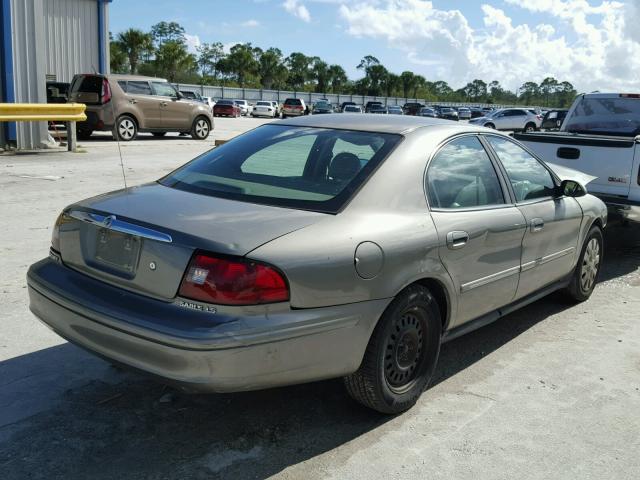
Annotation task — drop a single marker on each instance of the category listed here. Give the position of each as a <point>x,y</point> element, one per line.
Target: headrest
<point>344,166</point>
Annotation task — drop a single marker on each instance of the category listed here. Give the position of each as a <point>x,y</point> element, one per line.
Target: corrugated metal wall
<point>28,59</point>
<point>51,37</point>
<point>71,34</point>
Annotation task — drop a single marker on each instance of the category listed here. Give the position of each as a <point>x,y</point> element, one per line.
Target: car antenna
<point>117,135</point>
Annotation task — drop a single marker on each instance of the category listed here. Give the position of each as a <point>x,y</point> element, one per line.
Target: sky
<point>595,45</point>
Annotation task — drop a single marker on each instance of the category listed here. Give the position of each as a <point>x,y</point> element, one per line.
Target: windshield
<point>297,167</point>
<point>322,105</point>
<point>618,116</point>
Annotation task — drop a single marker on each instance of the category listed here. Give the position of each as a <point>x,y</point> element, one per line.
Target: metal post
<point>72,143</point>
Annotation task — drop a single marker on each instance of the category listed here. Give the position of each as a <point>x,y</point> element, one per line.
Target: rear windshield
<point>264,104</point>
<point>297,167</point>
<point>292,101</point>
<point>88,89</point>
<point>617,116</point>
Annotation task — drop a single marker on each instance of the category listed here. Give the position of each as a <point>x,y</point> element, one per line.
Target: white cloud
<point>594,47</point>
<point>296,8</point>
<point>250,23</point>
<point>192,41</point>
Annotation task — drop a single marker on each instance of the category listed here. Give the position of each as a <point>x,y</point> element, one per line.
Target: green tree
<point>117,58</point>
<point>167,31</point>
<point>391,84</point>
<point>408,81</point>
<point>134,43</point>
<point>209,55</point>
<point>548,88</point>
<point>320,73</point>
<point>337,78</point>
<point>528,92</point>
<point>174,62</point>
<point>241,62</point>
<point>271,69</point>
<point>475,90</point>
<point>298,65</point>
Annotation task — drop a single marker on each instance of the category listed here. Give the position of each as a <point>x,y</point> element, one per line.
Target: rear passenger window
<point>529,179</point>
<point>138,88</point>
<point>461,175</point>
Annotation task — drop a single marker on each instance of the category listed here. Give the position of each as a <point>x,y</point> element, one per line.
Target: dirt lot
<point>551,391</point>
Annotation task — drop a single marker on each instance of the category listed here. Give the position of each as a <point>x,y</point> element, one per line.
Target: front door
<point>175,112</point>
<point>549,247</point>
<point>480,233</point>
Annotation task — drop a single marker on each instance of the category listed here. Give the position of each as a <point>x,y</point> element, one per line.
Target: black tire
<point>284,116</point>
<point>530,127</point>
<point>490,125</point>
<point>158,134</point>
<point>84,134</point>
<point>401,355</point>
<point>587,269</point>
<point>201,128</point>
<point>125,128</point>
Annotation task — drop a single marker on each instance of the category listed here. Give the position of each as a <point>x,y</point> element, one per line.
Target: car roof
<point>133,77</point>
<point>375,123</point>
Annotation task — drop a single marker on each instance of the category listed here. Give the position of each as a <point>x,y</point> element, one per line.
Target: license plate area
<point>117,251</point>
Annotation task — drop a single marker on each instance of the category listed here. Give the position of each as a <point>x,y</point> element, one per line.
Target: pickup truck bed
<point>615,161</point>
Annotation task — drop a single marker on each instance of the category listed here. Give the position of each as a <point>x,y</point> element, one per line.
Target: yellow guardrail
<point>34,112</point>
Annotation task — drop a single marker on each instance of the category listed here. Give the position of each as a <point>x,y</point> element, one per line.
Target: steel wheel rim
<point>126,129</point>
<point>202,128</point>
<point>405,350</point>
<point>590,265</point>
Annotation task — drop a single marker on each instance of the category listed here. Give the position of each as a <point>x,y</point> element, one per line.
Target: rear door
<point>549,246</point>
<point>479,230</point>
<point>141,99</point>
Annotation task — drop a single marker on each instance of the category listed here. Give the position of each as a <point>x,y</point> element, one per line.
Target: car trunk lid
<point>142,238</point>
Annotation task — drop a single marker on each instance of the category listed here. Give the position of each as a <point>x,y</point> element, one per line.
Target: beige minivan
<point>128,104</point>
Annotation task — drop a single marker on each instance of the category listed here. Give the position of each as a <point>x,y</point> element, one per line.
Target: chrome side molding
<point>111,222</point>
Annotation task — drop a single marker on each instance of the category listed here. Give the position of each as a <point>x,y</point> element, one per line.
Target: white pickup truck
<point>600,136</point>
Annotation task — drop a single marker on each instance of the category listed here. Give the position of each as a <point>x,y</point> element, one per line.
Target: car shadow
<point>116,424</point>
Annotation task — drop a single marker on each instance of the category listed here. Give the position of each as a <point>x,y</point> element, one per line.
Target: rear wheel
<point>125,128</point>
<point>530,127</point>
<point>490,125</point>
<point>401,355</point>
<point>201,128</point>
<point>586,272</point>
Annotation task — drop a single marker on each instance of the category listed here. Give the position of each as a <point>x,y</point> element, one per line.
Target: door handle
<point>163,104</point>
<point>457,239</point>
<point>568,153</point>
<point>133,100</point>
<point>537,224</point>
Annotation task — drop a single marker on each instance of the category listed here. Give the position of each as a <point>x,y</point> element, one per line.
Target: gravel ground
<point>551,391</point>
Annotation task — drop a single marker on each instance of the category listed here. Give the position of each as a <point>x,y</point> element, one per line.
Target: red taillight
<point>106,91</point>
<point>232,282</point>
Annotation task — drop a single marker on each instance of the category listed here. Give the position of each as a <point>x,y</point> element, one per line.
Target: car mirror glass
<point>572,188</point>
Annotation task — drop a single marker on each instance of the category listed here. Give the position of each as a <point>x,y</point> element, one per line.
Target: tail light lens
<point>106,91</point>
<point>225,281</point>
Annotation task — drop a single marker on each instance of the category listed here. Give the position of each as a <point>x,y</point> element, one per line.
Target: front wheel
<point>586,272</point>
<point>401,355</point>
<point>200,129</point>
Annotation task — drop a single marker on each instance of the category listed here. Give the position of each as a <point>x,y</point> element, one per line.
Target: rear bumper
<point>199,350</point>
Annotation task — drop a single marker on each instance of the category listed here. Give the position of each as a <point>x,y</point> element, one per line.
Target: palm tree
<point>134,43</point>
<point>337,78</point>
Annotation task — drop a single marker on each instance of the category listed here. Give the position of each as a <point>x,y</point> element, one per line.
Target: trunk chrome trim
<point>111,222</point>
<point>488,279</point>
<point>513,270</point>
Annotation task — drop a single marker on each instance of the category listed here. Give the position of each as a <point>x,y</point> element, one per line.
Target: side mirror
<point>572,188</point>
<point>179,96</point>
